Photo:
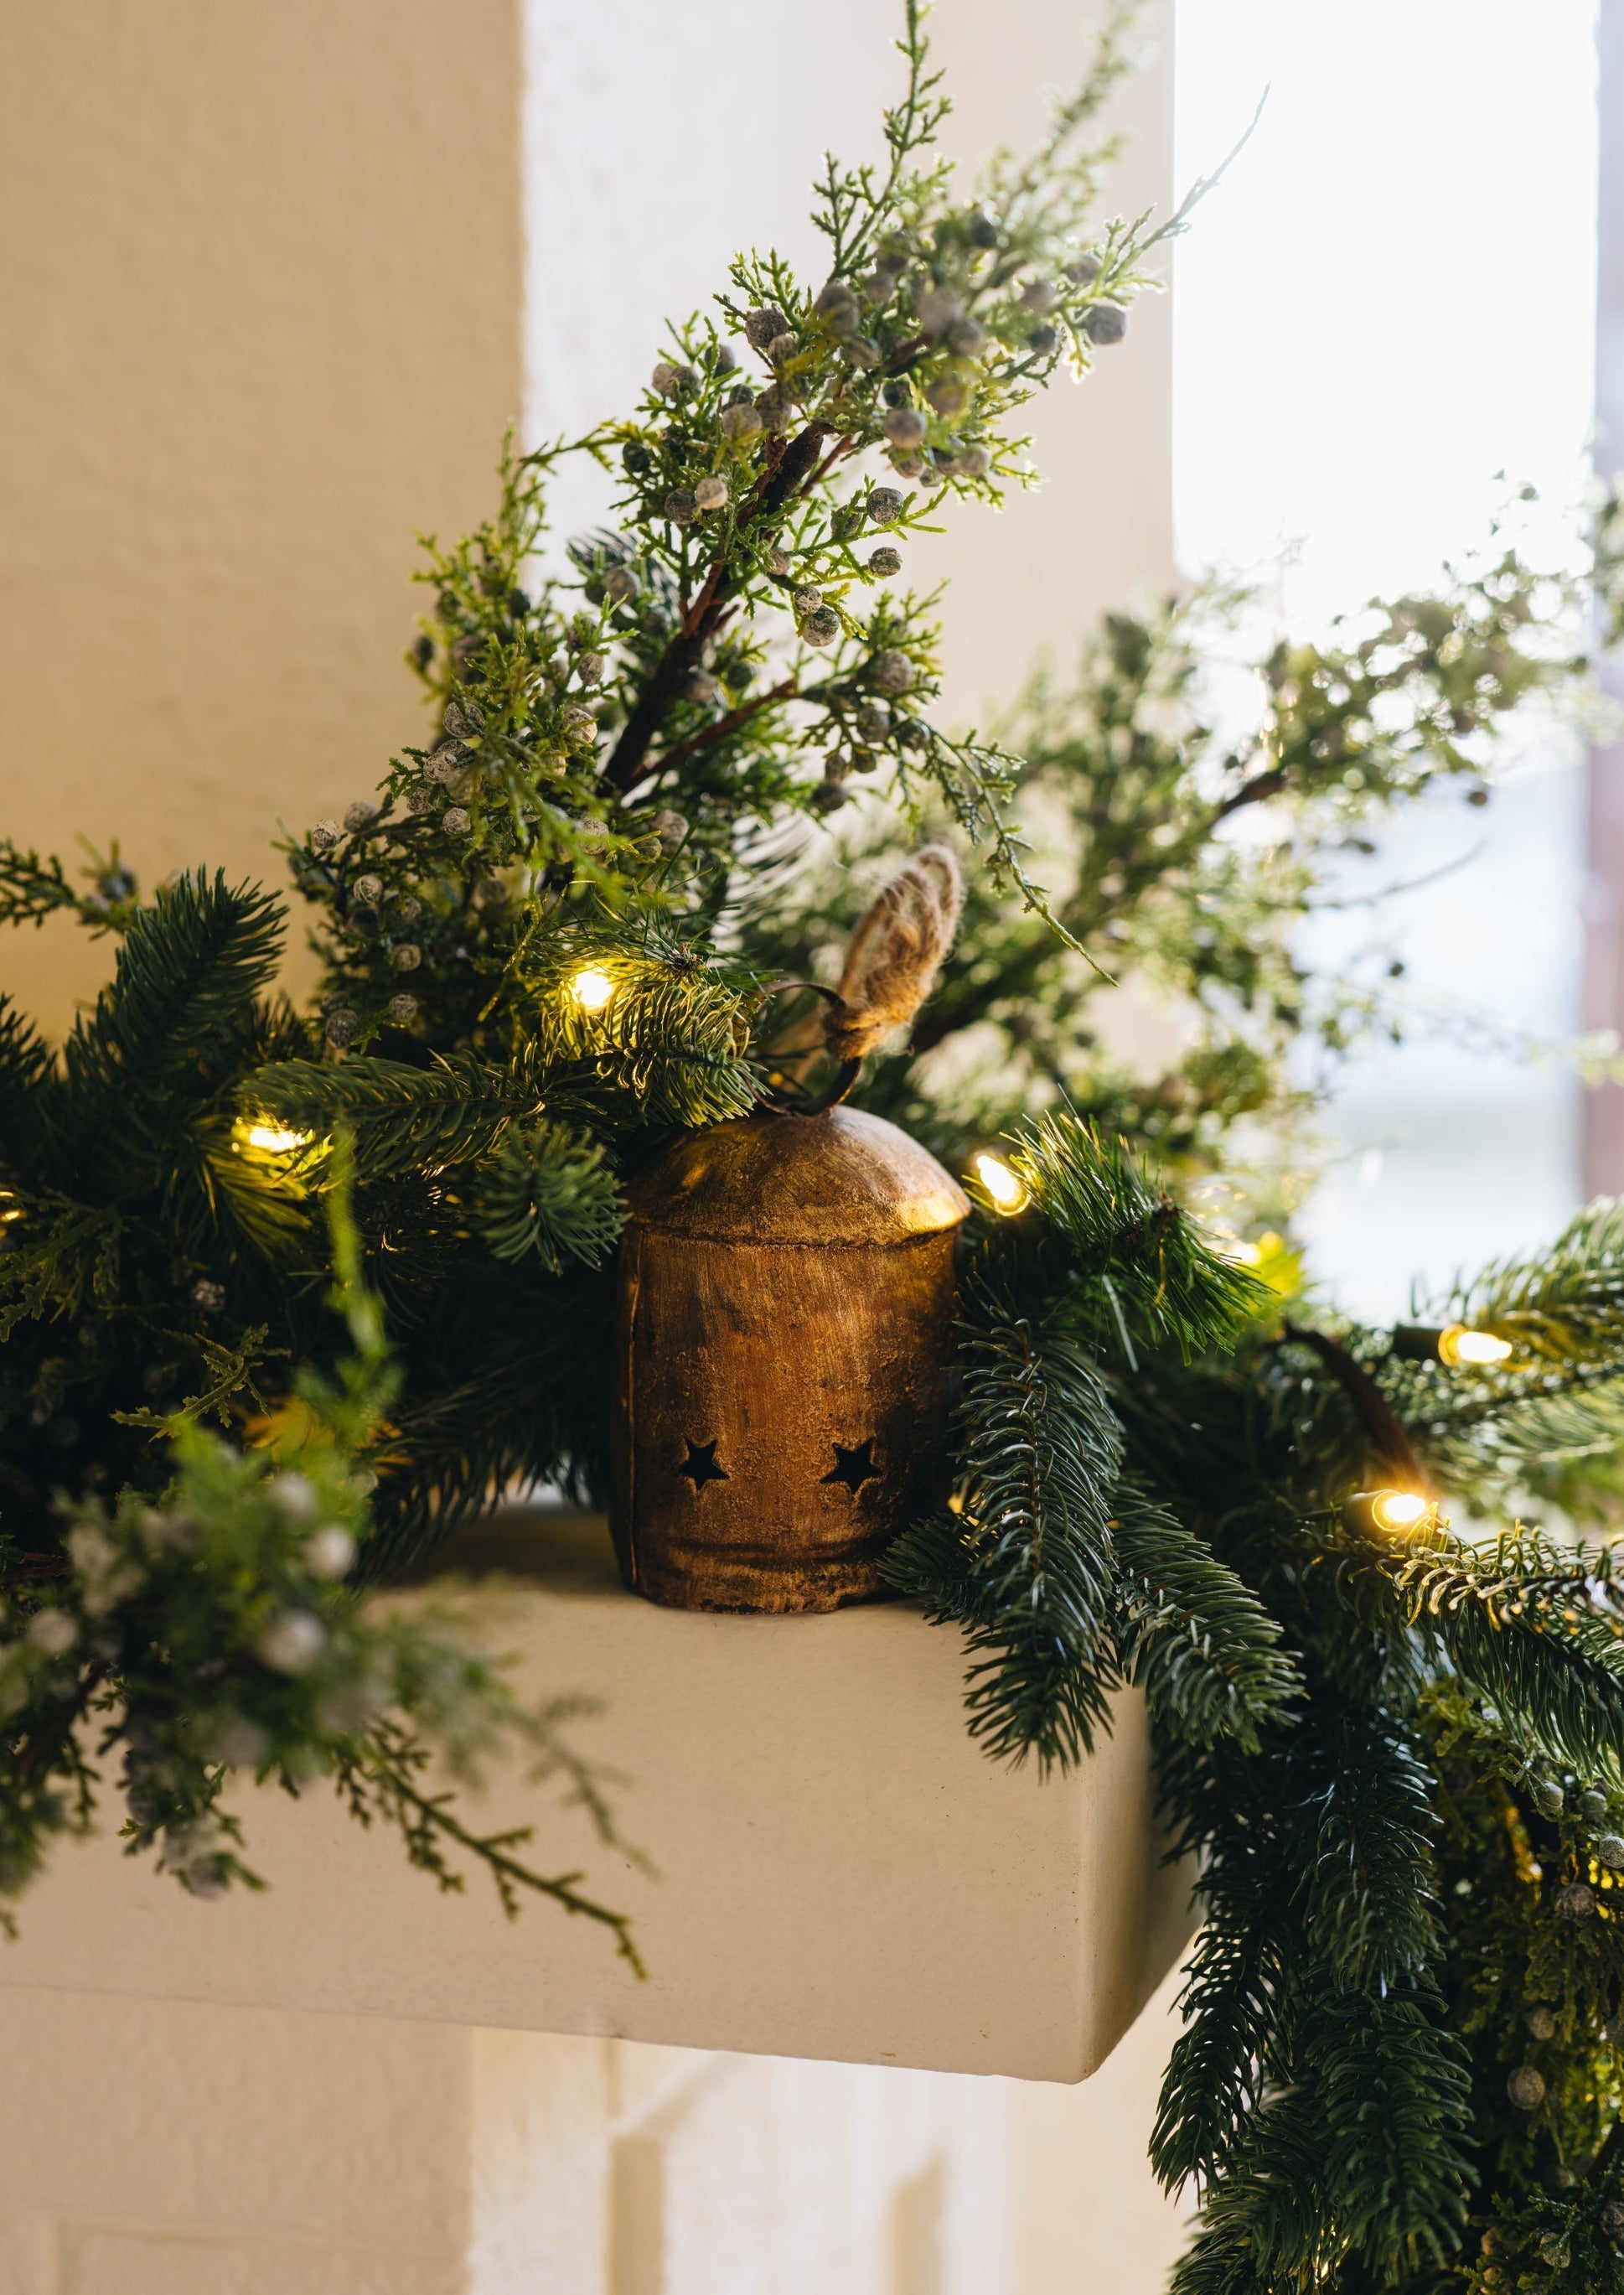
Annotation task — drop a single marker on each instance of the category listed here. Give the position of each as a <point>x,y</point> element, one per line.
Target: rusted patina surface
<point>785,1328</point>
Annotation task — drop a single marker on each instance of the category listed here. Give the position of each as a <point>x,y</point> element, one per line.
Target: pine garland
<point>288,1295</point>
<point>1031,1565</point>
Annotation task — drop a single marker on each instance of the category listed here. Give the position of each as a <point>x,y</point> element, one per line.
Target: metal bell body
<point>787,1300</point>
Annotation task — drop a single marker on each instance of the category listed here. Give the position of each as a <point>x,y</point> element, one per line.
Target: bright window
<point>1389,301</point>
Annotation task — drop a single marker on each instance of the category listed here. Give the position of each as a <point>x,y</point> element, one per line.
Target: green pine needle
<point>551,1193</point>
<point>1359,2160</point>
<point>25,1065</point>
<point>1141,1266</point>
<point>399,1117</point>
<point>670,1040</point>
<point>1029,1572</point>
<point>190,970</point>
<point>1200,1644</point>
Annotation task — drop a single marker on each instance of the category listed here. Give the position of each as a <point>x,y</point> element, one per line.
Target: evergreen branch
<point>1376,1413</point>
<point>1395,2105</point>
<point>1545,1654</point>
<point>785,477</point>
<point>854,207</point>
<point>721,729</point>
<point>527,1402</point>
<point>230,1373</point>
<point>267,1198</point>
<point>31,889</point>
<point>184,995</point>
<point>400,1118</point>
<point>1027,1569</point>
<point>61,1259</point>
<point>1200,1644</point>
<point>1126,1239</point>
<point>1368,1910</point>
<point>26,1066</point>
<point>1361,2161</point>
<point>1255,2236</point>
<point>549,1192</point>
<point>234,1587</point>
<point>1569,1414</point>
<point>1569,1299</point>
<point>976,779</point>
<point>1560,1446</point>
<point>1215,2075</point>
<point>671,1036</point>
<point>381,1778</point>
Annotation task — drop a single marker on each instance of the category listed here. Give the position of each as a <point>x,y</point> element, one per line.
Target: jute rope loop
<point>896,952</point>
<point>891,967</point>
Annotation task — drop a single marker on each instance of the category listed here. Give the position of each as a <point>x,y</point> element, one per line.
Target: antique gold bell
<point>787,1292</point>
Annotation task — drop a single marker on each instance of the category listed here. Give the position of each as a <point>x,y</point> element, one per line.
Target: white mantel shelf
<point>842,1874</point>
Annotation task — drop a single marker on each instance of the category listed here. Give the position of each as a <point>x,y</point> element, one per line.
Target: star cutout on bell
<point>700,1465</point>
<point>853,1467</point>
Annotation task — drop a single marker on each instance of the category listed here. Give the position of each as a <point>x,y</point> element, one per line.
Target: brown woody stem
<point>32,1569</point>
<point>785,690</point>
<point>628,761</point>
<point>1375,1412</point>
<point>1608,2153</point>
<point>1253,792</point>
<point>44,1748</point>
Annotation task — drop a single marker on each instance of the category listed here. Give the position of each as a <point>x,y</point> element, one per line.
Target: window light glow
<point>1363,485</point>
<point>1009,1193</point>
<point>592,989</point>
<point>1460,1347</point>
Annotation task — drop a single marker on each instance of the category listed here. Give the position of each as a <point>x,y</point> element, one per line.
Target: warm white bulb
<point>274,1140</point>
<point>1398,1510</point>
<point>592,989</point>
<point>1459,1345</point>
<point>1008,1192</point>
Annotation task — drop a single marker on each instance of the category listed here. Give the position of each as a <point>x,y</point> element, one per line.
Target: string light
<point>274,1138</point>
<point>592,989</point>
<point>1398,1510</point>
<point>1455,1344</point>
<point>1007,1191</point>
<point>1396,1514</point>
<point>1459,1346</point>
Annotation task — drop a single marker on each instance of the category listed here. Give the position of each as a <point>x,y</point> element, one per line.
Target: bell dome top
<point>843,1177</point>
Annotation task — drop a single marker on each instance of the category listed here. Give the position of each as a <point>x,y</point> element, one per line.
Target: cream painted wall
<point>261,283</point>
<point>1099,525</point>
<point>634,210</point>
<point>172,2149</point>
<point>264,316</point>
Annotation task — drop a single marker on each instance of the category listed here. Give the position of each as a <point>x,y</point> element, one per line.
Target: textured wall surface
<point>1099,525</point>
<point>262,291</point>
<point>149,2149</point>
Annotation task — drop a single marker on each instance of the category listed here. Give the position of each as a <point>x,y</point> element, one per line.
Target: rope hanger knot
<point>897,951</point>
